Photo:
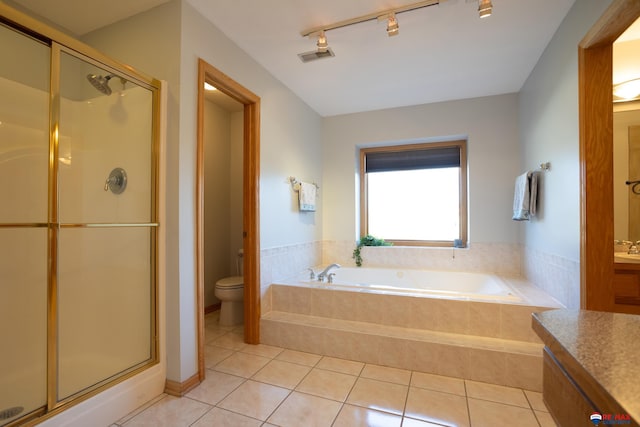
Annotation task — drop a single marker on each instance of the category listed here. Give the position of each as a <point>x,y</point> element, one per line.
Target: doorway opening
<point>595,66</point>
<point>250,202</point>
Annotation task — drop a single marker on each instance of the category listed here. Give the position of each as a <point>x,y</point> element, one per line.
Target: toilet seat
<point>233,282</point>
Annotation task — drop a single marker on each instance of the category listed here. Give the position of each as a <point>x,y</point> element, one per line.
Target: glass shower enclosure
<point>78,223</point>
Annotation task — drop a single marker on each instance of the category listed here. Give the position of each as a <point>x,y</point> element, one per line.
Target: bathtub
<point>427,283</point>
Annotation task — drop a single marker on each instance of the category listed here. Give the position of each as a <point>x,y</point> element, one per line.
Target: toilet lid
<point>230,282</point>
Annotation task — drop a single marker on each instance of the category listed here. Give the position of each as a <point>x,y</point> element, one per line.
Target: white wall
<point>489,123</point>
<point>548,106</point>
<point>548,117</point>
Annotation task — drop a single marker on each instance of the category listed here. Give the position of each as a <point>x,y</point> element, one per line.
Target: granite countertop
<point>601,351</point>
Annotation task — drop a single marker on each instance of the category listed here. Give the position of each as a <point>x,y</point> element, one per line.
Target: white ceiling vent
<point>313,55</point>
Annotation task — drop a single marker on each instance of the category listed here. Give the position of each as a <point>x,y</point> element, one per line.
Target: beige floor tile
<point>304,410</point>
<point>410,422</point>
<point>379,395</point>
<point>536,401</point>
<point>545,419</point>
<point>332,385</point>
<point>384,373</point>
<point>215,387</point>
<point>436,407</point>
<point>214,355</point>
<point>254,399</point>
<point>355,416</point>
<point>340,365</point>
<point>229,340</point>
<point>299,357</point>
<point>220,418</point>
<point>282,374</point>
<point>242,364</point>
<point>212,332</point>
<point>438,383</point>
<point>263,350</point>
<point>497,393</point>
<point>170,412</point>
<point>491,414</point>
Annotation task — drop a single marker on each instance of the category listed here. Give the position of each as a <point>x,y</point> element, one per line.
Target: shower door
<point>78,224</point>
<point>24,150</point>
<point>106,224</point>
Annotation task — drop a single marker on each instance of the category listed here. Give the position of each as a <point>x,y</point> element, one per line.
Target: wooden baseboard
<point>212,308</point>
<point>177,389</point>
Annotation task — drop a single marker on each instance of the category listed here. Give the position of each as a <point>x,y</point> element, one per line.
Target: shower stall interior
<point>78,221</point>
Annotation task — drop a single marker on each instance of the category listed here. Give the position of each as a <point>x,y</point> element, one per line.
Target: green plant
<point>367,240</point>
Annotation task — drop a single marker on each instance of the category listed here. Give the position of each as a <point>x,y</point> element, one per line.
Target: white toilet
<point>230,292</point>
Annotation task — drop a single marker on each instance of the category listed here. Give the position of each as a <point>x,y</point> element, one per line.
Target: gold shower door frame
<point>59,43</point>
<point>55,226</point>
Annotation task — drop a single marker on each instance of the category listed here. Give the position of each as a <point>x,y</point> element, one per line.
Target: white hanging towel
<point>307,197</point>
<point>525,196</point>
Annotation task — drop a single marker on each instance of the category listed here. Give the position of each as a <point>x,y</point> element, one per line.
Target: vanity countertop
<point>602,353</point>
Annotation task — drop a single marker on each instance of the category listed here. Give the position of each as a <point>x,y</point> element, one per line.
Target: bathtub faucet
<point>324,273</point>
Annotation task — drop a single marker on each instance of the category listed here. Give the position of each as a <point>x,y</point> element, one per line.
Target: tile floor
<point>260,385</point>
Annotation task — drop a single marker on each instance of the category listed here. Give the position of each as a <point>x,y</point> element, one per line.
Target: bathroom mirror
<point>626,136</point>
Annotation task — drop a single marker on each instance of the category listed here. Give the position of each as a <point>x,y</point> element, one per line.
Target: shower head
<point>101,83</point>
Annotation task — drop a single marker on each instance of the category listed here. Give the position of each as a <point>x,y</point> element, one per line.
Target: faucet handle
<point>312,274</point>
<point>330,277</point>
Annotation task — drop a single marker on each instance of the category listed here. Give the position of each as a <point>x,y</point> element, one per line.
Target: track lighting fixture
<point>322,42</point>
<point>485,8</point>
<point>392,25</point>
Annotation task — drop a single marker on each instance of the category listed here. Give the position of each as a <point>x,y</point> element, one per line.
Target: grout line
<point>466,398</point>
<point>406,398</point>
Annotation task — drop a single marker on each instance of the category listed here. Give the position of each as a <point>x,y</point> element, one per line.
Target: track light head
<point>322,42</point>
<point>393,29</point>
<point>485,8</point>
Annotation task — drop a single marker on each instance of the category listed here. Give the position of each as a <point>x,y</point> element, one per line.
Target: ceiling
<point>443,52</point>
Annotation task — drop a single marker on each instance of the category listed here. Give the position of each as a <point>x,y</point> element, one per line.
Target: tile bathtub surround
<point>328,391</point>
<point>497,258</point>
<point>557,276</point>
<point>487,319</point>
<point>284,262</point>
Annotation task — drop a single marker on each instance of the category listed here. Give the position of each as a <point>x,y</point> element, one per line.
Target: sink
<point>628,258</point>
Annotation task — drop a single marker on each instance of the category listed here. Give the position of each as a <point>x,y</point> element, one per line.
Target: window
<point>415,194</point>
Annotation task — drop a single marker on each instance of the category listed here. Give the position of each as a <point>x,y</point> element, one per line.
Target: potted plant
<point>367,240</point>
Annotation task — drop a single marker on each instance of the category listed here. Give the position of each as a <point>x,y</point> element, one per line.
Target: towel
<point>307,196</point>
<point>525,196</point>
<point>533,193</point>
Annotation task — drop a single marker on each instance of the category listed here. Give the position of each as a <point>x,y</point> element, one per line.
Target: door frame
<point>595,83</point>
<point>251,199</point>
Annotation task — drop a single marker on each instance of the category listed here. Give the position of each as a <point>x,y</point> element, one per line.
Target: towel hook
<point>546,166</point>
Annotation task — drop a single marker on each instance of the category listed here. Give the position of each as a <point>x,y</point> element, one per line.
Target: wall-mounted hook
<point>117,181</point>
